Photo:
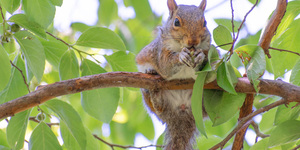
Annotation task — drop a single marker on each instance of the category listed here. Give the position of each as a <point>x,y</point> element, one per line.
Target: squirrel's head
<point>186,24</point>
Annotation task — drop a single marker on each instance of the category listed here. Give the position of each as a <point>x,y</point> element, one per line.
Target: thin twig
<point>258,133</point>
<point>3,18</point>
<point>124,147</point>
<point>37,121</point>
<point>232,20</point>
<point>71,46</point>
<point>223,44</point>
<point>21,74</point>
<point>246,121</point>
<point>297,147</point>
<point>283,50</point>
<point>240,27</point>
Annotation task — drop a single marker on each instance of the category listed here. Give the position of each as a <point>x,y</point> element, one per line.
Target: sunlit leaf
<point>222,106</point>
<point>207,143</point>
<point>122,61</point>
<point>261,145</point>
<point>42,137</point>
<point>98,37</point>
<point>107,6</point>
<point>4,67</point>
<point>24,21</point>
<point>56,2</point>
<point>16,129</point>
<point>222,36</point>
<point>72,121</point>
<point>16,86</point>
<point>285,132</point>
<point>68,66</point>
<point>91,142</point>
<point>40,11</point>
<point>197,101</point>
<point>142,13</point>
<point>284,61</point>
<point>295,75</point>
<point>33,51</point>
<point>10,5</point>
<point>54,50</point>
<point>78,26</point>
<point>227,23</point>
<point>99,103</point>
<point>284,113</point>
<point>3,140</point>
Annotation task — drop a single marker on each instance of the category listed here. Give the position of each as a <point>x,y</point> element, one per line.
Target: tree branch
<point>245,110</point>
<point>124,147</point>
<point>137,80</point>
<point>246,121</point>
<point>272,25</point>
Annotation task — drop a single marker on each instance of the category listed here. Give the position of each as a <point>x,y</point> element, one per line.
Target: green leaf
<point>56,2</point>
<point>10,5</point>
<point>142,13</point>
<point>78,26</point>
<point>228,24</point>
<point>222,36</point>
<point>254,1</point>
<point>16,86</point>
<point>42,137</point>
<point>107,6</point>
<point>71,119</point>
<point>54,50</point>
<point>222,106</point>
<point>160,140</point>
<point>253,58</point>
<point>122,61</point>
<point>261,145</point>
<point>91,142</point>
<point>284,133</point>
<point>4,148</point>
<point>3,140</point>
<point>226,77</point>
<point>24,21</point>
<point>207,143</point>
<point>40,11</point>
<point>98,37</point>
<point>292,11</point>
<point>295,75</point>
<point>285,113</point>
<point>16,129</point>
<point>284,61</point>
<point>197,102</point>
<point>33,51</point>
<point>99,103</point>
<point>4,67</point>
<point>68,66</point>
<point>68,138</point>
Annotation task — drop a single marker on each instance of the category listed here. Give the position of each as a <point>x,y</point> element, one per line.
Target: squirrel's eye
<point>204,24</point>
<point>176,22</point>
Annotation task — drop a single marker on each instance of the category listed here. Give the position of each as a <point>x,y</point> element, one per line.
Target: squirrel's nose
<point>193,41</point>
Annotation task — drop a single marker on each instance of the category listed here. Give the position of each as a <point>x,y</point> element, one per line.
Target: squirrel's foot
<point>199,57</point>
<point>185,57</point>
<point>151,71</point>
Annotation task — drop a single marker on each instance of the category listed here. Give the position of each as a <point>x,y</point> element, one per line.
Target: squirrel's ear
<point>202,5</point>
<point>172,6</point>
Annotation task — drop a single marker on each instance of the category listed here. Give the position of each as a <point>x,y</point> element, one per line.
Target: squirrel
<point>178,52</point>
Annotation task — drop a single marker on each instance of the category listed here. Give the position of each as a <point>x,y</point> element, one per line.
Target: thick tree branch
<point>272,25</point>
<point>245,110</point>
<point>137,80</point>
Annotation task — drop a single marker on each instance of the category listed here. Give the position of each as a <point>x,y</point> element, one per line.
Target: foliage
<point>45,56</point>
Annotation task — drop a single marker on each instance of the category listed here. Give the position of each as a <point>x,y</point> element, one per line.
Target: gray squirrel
<point>178,52</point>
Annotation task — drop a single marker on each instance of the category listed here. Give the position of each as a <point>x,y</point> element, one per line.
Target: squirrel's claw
<point>184,57</point>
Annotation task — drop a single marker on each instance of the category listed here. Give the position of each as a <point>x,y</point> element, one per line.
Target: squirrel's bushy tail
<point>180,132</point>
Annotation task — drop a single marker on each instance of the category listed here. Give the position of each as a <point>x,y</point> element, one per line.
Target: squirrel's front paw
<point>199,57</point>
<point>185,57</point>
